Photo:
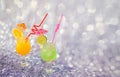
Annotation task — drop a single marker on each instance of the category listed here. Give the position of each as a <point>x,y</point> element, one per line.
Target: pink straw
<point>57,28</point>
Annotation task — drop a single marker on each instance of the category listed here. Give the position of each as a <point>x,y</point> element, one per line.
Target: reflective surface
<point>88,42</point>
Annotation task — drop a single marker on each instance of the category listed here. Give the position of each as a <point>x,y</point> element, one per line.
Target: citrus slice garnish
<point>22,26</point>
<point>17,33</point>
<point>42,39</point>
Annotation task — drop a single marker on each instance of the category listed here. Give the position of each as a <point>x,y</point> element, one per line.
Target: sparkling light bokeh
<point>88,42</point>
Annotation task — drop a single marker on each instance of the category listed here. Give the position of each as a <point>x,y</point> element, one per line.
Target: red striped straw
<point>34,28</point>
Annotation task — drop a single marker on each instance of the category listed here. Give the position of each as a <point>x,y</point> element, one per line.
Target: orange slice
<point>17,33</point>
<point>22,26</point>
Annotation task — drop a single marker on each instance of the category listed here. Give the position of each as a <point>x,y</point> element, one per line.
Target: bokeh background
<point>88,42</point>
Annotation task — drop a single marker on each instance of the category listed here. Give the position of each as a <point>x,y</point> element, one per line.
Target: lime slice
<point>42,39</point>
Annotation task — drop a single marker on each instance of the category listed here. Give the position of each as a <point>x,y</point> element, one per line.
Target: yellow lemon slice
<point>17,33</point>
<point>42,39</point>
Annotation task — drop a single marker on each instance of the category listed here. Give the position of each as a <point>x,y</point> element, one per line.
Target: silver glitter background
<point>88,42</point>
